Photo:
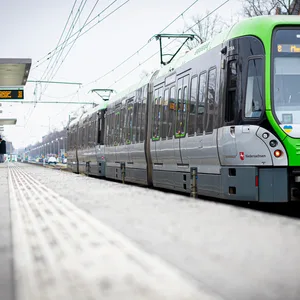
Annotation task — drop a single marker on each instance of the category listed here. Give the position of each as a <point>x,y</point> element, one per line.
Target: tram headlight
<point>277,153</point>
<point>265,135</point>
<point>273,143</point>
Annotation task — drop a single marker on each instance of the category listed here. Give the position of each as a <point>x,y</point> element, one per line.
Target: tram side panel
<point>199,144</point>
<point>100,148</point>
<point>136,164</point>
<point>82,143</point>
<point>87,154</point>
<point>111,164</point>
<point>125,151</point>
<point>179,151</point>
<point>72,133</point>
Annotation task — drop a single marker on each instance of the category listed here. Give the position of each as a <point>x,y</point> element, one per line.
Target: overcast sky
<point>32,28</point>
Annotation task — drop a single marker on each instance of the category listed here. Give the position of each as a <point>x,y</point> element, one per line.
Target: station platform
<point>67,236</point>
<point>6,254</point>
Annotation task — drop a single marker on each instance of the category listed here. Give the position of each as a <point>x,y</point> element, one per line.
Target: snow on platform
<point>61,252</point>
<point>225,251</point>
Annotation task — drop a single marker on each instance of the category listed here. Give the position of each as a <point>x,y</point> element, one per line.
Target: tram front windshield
<point>286,75</point>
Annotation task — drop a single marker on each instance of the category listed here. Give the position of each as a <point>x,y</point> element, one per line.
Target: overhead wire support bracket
<point>49,102</point>
<point>104,94</point>
<point>55,82</point>
<point>185,36</point>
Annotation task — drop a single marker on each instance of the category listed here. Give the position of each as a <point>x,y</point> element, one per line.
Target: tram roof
<point>131,89</point>
<point>260,26</point>
<point>89,112</point>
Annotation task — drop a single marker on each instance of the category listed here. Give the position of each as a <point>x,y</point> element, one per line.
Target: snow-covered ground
<point>233,252</point>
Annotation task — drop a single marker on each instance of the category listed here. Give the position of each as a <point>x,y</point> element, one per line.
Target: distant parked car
<point>52,160</point>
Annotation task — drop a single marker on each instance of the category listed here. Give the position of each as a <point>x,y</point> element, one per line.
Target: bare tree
<point>202,28</point>
<point>205,27</point>
<point>143,74</point>
<point>254,8</point>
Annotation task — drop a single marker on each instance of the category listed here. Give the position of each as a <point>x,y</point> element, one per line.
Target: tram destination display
<point>288,48</point>
<point>11,94</point>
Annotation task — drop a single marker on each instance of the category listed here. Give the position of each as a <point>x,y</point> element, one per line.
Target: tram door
<point>227,133</point>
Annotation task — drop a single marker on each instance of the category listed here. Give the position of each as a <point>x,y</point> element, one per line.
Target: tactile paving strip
<point>61,252</point>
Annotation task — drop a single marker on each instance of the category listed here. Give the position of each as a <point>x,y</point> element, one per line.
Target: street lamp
<point>63,147</point>
<point>57,146</point>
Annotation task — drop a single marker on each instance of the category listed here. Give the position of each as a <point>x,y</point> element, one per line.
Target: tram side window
<point>143,116</point>
<point>164,125</point>
<point>95,131</point>
<point>86,134</point>
<point>101,132</point>
<point>107,130</point>
<point>129,123</point>
<point>92,135</point>
<point>82,136</point>
<point>231,91</point>
<point>117,129</point>
<point>78,138</point>
<point>74,137</point>
<point>211,97</point>
<point>68,139</point>
<point>90,131</point>
<point>71,145</point>
<point>81,130</point>
<point>185,105</point>
<point>182,102</point>
<point>179,108</point>
<point>98,122</point>
<point>138,112</point>
<point>69,142</point>
<point>92,139</point>
<point>254,91</point>
<point>172,112</point>
<point>134,121</point>
<point>193,106</point>
<point>138,120</point>
<point>156,114</point>
<point>121,128</point>
<point>112,129</point>
<point>201,103</point>
<point>72,142</point>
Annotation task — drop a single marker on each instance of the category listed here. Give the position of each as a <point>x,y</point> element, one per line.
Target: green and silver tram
<point>223,120</point>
